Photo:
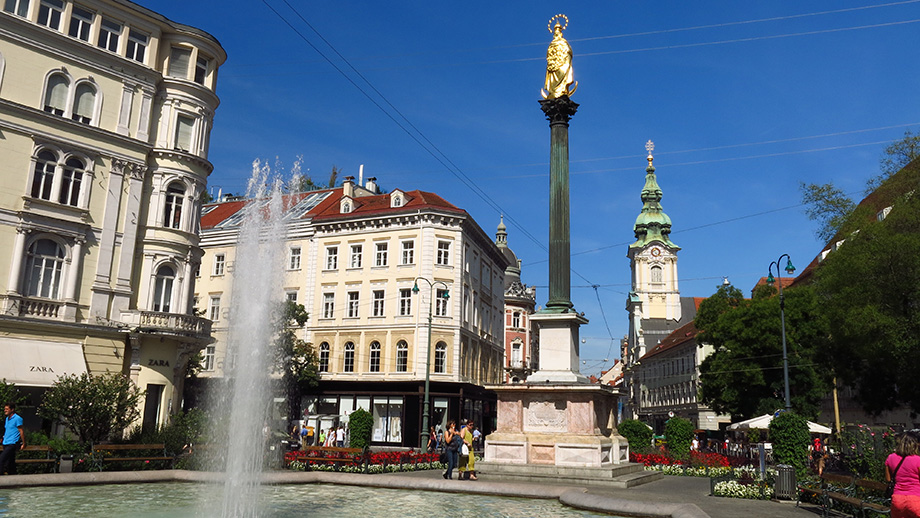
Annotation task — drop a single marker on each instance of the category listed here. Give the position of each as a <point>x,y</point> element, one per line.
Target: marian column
<point>558,321</point>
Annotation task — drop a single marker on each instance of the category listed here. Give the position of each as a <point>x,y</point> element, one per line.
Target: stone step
<point>619,475</point>
<point>638,478</point>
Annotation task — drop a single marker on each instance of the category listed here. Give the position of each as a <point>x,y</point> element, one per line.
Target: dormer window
<point>397,199</point>
<point>347,206</point>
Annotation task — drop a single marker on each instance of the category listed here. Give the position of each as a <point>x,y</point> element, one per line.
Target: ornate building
<point>353,259</point>
<point>105,112</point>
<point>521,347</point>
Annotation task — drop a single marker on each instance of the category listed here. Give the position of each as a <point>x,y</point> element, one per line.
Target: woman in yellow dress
<point>468,464</point>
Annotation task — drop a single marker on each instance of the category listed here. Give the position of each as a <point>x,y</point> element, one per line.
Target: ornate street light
<point>425,407</point>
<point>782,316</point>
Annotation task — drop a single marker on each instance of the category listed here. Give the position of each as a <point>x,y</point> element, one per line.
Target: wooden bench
<point>42,448</point>
<point>861,495</point>
<point>331,454</point>
<point>100,451</point>
<point>873,498</point>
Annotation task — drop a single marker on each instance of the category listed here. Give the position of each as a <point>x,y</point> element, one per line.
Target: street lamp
<point>782,316</point>
<point>445,296</point>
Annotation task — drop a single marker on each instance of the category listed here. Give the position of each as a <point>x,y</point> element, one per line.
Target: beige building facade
<point>105,112</point>
<point>353,259</point>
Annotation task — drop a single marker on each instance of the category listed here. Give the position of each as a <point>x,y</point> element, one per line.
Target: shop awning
<point>38,363</point>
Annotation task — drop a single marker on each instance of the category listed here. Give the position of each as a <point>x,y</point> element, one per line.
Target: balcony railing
<point>168,322</point>
<point>41,308</point>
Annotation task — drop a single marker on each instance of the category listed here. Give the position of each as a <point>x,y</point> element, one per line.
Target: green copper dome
<point>652,224</point>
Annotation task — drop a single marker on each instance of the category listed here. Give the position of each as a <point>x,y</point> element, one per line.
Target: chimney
<point>348,186</point>
<point>361,174</point>
<point>371,184</point>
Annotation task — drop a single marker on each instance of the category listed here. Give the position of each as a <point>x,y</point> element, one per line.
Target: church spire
<point>652,224</point>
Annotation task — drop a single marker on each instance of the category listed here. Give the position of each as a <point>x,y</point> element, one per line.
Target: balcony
<point>168,323</point>
<point>38,308</point>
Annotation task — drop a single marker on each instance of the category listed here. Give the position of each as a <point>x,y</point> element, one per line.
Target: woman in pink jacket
<point>903,466</point>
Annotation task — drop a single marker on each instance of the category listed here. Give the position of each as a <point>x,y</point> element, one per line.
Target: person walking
<point>14,438</point>
<point>903,467</point>
<point>340,437</point>
<point>453,441</point>
<point>468,463</point>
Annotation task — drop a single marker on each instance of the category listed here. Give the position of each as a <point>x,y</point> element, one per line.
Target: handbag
<point>890,489</point>
<point>465,450</point>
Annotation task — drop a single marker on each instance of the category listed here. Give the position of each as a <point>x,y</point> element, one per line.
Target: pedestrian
<point>432,439</point>
<point>902,467</point>
<point>468,461</point>
<point>322,436</point>
<point>340,437</point>
<point>14,438</point>
<point>453,441</point>
<point>477,439</point>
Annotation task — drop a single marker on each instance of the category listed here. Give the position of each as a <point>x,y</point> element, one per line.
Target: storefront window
<point>388,419</point>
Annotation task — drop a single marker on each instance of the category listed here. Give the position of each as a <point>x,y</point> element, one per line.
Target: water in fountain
<point>256,293</point>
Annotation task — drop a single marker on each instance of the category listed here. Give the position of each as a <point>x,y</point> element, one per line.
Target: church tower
<point>654,304</point>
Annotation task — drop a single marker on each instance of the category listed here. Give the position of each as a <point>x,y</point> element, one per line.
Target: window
<point>405,302</point>
<point>163,287</point>
<point>185,126</point>
<point>440,358</point>
<point>328,305</point>
<point>378,303</point>
<point>84,103</point>
<point>50,12</point>
<point>443,257</point>
<point>219,263</point>
<point>291,296</point>
<point>349,364</point>
<point>516,354</point>
<point>44,265</point>
<point>43,177</point>
<point>402,356</point>
<point>81,21</point>
<point>137,45</point>
<point>408,252</point>
<point>172,210</point>
<point>108,35</point>
<point>208,363</point>
<point>332,258</point>
<point>201,70</point>
<point>441,302</point>
<point>375,357</point>
<point>324,357</point>
<point>355,256</point>
<point>352,304</point>
<point>17,7</point>
<point>516,319</point>
<point>294,258</point>
<point>56,94</point>
<point>656,274</point>
<point>380,258</point>
<point>178,62</point>
<point>214,308</point>
<point>71,180</point>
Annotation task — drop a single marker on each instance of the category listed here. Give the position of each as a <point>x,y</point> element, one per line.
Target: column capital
<point>558,110</point>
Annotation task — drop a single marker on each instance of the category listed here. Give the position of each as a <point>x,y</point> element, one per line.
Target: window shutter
<point>178,62</point>
<point>184,127</point>
<point>57,92</point>
<point>85,101</point>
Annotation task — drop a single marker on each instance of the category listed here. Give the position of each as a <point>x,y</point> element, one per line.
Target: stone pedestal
<point>562,425</point>
<point>559,352</point>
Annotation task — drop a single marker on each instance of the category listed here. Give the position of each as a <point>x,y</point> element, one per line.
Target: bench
<point>42,449</point>
<point>873,497</point>
<point>331,454</point>
<point>862,496</point>
<point>102,452</point>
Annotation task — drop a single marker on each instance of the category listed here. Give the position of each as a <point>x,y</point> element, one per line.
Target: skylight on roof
<point>306,204</point>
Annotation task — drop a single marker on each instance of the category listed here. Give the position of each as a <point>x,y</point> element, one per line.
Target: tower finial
<point>649,146</point>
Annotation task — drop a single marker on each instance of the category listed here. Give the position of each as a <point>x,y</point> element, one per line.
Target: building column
<point>73,271</point>
<point>19,251</point>
<point>135,369</point>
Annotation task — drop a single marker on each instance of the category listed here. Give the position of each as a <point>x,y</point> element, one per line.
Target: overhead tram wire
<point>439,156</point>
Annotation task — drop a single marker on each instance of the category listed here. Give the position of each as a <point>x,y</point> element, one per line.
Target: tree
<point>95,408</point>
<point>896,157</point>
<point>827,205</point>
<point>744,374</point>
<point>790,438</point>
<point>679,434</point>
<point>870,292</point>
<point>637,434</point>
<point>295,359</point>
<point>9,393</point>
<point>360,425</point>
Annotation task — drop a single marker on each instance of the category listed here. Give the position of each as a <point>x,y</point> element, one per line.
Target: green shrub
<point>187,428</point>
<point>360,423</point>
<point>790,438</point>
<point>679,433</point>
<point>95,408</point>
<point>637,433</point>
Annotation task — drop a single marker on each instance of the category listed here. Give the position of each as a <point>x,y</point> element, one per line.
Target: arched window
<point>43,178</point>
<point>172,210</point>
<point>440,358</point>
<point>56,94</point>
<point>656,274</point>
<point>84,103</point>
<point>516,354</point>
<point>324,357</point>
<point>349,365</point>
<point>375,357</point>
<point>163,287</point>
<point>71,181</point>
<point>44,265</point>
<point>516,319</point>
<point>402,356</point>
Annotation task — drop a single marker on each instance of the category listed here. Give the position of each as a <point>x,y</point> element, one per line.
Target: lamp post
<point>425,407</point>
<point>782,316</point>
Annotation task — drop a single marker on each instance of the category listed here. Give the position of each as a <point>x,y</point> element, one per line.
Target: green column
<point>558,111</point>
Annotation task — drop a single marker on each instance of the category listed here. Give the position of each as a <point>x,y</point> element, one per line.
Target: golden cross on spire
<point>649,146</point>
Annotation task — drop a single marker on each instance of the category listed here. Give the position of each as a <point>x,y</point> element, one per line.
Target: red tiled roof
<point>224,210</point>
<point>380,204</point>
<point>679,336</point>
<point>784,281</point>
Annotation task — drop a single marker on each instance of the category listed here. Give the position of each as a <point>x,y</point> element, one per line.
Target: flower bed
<point>372,462</point>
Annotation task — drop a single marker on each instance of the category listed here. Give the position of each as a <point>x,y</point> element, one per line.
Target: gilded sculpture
<point>560,77</point>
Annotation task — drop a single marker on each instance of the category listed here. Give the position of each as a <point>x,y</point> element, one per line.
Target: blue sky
<point>744,100</point>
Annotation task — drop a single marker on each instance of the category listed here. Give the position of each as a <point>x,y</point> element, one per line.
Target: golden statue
<point>560,76</point>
